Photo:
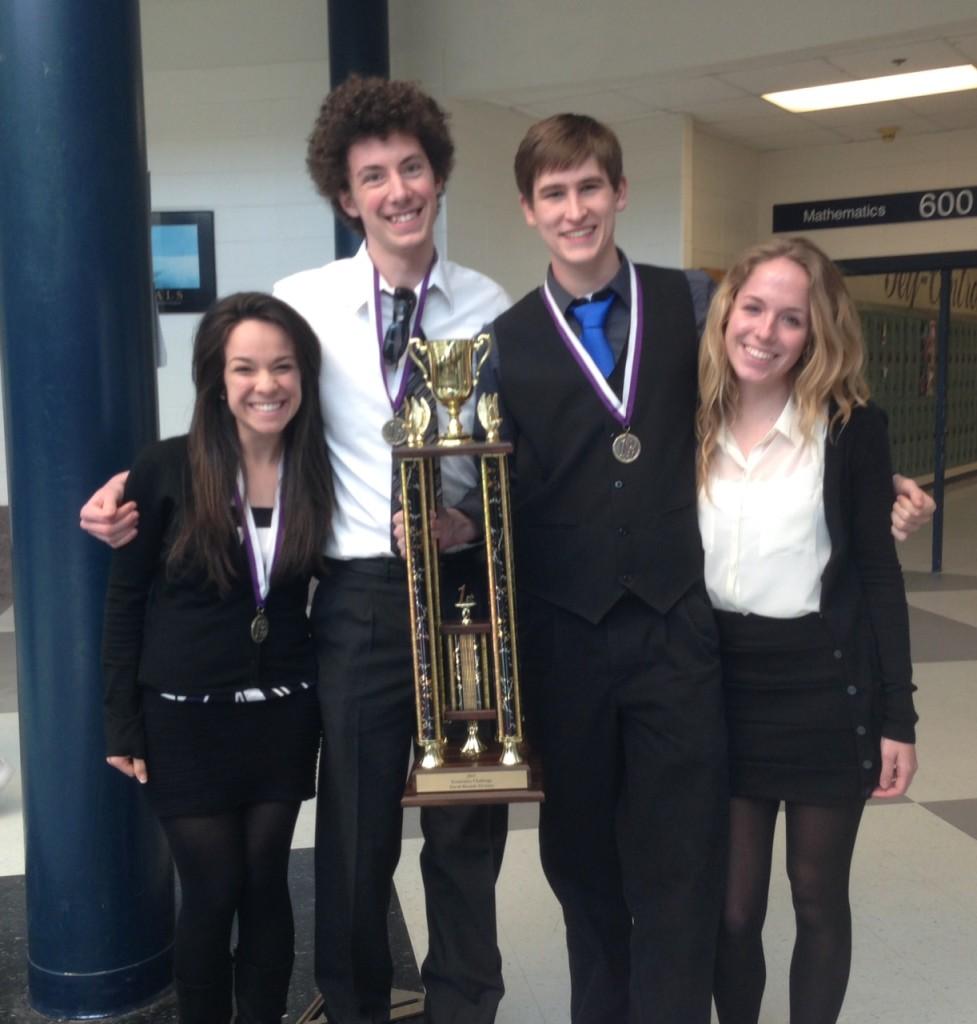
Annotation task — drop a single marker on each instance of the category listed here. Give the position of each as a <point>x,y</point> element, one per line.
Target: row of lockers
<point>901,371</point>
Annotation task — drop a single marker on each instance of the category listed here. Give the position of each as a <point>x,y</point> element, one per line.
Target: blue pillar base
<point>100,994</point>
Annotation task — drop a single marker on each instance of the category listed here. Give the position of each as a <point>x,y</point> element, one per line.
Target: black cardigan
<point>863,598</point>
<point>176,633</point>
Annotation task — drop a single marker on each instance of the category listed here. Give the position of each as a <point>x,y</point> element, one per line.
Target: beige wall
<point>724,200</point>
<point>485,228</point>
<point>915,163</point>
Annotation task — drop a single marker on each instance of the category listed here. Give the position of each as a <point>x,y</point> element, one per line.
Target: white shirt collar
<point>362,295</point>
<point>787,425</point>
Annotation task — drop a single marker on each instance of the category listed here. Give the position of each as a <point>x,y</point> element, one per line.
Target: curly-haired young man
<point>381,153</point>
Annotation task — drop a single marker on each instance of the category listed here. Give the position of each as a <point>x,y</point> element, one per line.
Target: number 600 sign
<point>951,202</point>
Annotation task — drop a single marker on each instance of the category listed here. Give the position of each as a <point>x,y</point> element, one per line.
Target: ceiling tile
<point>953,120</point>
<point>966,45</point>
<point>681,93</point>
<point>536,94</point>
<point>951,102</point>
<point>879,61</point>
<point>731,110</point>
<point>870,115</point>
<point>798,75</point>
<point>605,106</point>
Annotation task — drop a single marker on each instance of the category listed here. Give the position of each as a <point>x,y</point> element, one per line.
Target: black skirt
<point>798,727</point>
<point>207,758</point>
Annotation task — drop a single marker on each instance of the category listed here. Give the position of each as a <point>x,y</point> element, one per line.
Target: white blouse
<point>762,523</point>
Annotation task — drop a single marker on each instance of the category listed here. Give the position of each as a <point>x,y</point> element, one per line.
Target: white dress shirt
<point>762,522</point>
<point>337,301</point>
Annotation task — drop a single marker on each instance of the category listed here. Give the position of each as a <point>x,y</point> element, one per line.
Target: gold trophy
<point>447,370</point>
<point>465,665</point>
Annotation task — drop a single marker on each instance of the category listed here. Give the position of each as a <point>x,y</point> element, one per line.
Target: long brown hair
<point>830,367</point>
<point>207,533</point>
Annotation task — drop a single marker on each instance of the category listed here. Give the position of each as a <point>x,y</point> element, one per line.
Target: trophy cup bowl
<point>450,372</point>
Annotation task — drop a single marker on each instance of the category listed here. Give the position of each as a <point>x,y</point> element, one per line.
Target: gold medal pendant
<point>260,627</point>
<point>394,432</point>
<point>626,447</point>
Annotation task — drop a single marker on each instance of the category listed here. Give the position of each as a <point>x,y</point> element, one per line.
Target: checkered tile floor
<point>914,887</point>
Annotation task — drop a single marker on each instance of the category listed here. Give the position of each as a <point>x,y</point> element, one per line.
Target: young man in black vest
<point>596,372</point>
<point>596,375</point>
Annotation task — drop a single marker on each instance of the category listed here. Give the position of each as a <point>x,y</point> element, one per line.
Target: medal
<point>259,627</point>
<point>260,563</point>
<point>626,447</point>
<point>394,431</point>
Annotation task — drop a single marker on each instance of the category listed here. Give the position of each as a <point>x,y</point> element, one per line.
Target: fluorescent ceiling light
<point>876,90</point>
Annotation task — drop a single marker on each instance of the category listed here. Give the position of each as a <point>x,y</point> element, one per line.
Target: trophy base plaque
<point>482,780</point>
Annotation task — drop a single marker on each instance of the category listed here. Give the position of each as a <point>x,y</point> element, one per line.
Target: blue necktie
<point>591,317</point>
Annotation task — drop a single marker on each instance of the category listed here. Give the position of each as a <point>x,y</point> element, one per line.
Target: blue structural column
<point>79,401</point>
<point>359,43</point>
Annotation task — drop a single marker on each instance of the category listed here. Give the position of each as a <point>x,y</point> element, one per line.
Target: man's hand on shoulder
<point>106,518</point>
<point>912,508</point>
<point>450,528</point>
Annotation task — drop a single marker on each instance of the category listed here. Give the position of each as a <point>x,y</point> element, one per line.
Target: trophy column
<point>466,671</point>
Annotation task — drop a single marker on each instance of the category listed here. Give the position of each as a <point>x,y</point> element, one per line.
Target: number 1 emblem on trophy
<point>470,742</point>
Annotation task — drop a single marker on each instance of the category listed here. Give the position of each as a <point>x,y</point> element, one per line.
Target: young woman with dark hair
<point>209,665</point>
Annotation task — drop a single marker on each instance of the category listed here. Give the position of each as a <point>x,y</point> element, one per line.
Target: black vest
<point>588,528</point>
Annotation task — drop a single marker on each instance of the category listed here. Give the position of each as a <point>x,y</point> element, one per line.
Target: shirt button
<point>866,765</point>
<point>852,690</point>
<point>618,484</point>
<point>838,655</point>
<point>623,531</point>
<point>860,730</point>
<point>626,578</point>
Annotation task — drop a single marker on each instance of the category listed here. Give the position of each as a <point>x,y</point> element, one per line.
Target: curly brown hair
<point>373,108</point>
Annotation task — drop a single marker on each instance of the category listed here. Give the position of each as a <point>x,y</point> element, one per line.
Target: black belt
<point>383,566</point>
<point>390,567</point>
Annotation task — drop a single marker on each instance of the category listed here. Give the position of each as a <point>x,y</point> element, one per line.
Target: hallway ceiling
<point>725,101</point>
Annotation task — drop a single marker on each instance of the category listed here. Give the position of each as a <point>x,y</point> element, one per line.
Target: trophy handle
<point>482,341</point>
<point>418,347</point>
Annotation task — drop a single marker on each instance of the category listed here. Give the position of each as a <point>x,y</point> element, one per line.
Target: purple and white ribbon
<point>260,564</point>
<point>620,407</point>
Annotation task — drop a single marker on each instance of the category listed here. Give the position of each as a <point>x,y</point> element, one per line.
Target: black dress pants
<point>627,714</point>
<point>360,621</point>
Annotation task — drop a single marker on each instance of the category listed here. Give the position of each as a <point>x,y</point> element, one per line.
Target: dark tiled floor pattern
<point>962,814</point>
<point>936,582</point>
<point>13,981</point>
<point>937,638</point>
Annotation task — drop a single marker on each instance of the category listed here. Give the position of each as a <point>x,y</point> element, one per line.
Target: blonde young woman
<point>795,489</point>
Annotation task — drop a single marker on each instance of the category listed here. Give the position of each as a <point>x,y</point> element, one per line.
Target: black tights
<point>233,863</point>
<point>820,841</point>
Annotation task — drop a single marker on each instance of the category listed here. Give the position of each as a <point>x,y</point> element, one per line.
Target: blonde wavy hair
<point>830,367</point>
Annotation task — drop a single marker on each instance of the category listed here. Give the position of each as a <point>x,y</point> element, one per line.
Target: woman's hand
<point>898,768</point>
<point>134,767</point>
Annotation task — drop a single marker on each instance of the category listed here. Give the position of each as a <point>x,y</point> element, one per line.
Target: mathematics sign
<point>859,211</point>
